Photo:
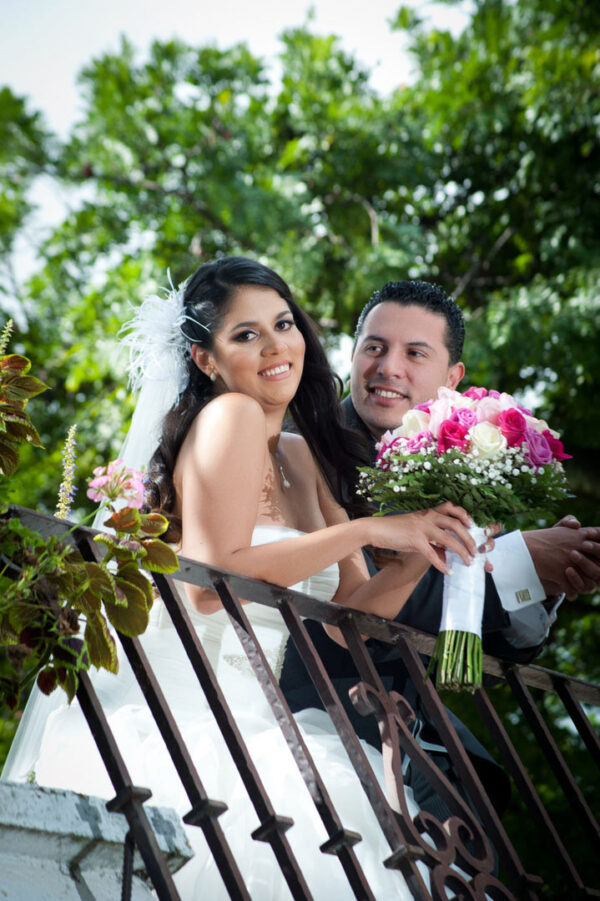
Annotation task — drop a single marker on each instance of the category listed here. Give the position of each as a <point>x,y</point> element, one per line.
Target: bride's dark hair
<point>314,409</point>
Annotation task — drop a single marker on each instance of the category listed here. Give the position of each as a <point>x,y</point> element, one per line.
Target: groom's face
<point>400,360</point>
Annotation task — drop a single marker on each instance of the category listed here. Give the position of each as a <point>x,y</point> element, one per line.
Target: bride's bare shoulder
<point>229,413</point>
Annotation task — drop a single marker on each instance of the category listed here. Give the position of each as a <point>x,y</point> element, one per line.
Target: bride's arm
<point>219,477</point>
<point>384,593</point>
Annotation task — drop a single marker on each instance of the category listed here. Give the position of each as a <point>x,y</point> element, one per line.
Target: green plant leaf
<point>130,618</point>
<point>160,557</point>
<point>153,524</point>
<point>100,581</point>
<point>127,519</point>
<point>101,645</point>
<point>130,573</point>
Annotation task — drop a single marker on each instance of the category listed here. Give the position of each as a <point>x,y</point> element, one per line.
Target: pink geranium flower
<point>116,482</point>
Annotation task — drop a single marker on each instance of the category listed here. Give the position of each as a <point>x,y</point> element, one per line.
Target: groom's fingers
<point>583,573</point>
<point>570,521</point>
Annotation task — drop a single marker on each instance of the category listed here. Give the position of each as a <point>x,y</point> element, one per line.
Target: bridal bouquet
<point>484,452</point>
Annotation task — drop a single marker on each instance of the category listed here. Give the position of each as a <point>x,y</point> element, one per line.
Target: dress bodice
<point>215,630</point>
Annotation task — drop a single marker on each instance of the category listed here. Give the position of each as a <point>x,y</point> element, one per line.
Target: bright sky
<point>44,43</point>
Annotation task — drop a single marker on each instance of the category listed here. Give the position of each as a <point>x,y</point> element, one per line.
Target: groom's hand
<point>584,572</point>
<point>566,557</point>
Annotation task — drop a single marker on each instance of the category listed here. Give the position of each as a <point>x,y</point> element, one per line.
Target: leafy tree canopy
<point>482,174</point>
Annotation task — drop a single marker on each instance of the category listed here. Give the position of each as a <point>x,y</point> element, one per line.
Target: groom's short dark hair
<point>421,294</point>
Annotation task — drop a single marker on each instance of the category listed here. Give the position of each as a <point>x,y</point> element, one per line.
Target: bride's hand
<point>427,532</point>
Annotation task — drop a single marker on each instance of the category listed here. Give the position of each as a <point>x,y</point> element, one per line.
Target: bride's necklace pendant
<point>276,463</point>
<point>284,480</point>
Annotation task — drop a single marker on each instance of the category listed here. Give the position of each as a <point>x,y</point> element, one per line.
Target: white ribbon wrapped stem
<point>464,590</point>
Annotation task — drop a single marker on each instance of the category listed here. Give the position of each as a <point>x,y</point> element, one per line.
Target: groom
<point>408,343</point>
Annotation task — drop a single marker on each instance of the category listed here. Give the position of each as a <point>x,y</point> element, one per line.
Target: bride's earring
<point>213,376</point>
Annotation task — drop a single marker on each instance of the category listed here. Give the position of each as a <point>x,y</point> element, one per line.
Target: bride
<point>243,495</point>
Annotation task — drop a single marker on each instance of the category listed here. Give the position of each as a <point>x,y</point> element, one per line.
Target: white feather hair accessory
<point>156,344</point>
<point>157,369</point>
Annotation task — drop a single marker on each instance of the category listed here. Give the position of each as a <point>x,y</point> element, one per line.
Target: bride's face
<point>258,349</point>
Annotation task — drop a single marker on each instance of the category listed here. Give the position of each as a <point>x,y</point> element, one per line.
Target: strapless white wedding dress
<point>69,759</point>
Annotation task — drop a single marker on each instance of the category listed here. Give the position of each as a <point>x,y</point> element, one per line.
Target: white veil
<point>158,373</point>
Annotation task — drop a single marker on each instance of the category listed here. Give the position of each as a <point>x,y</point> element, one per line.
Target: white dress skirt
<point>69,759</point>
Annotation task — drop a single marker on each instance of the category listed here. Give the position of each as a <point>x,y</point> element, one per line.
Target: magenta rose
<point>464,416</point>
<point>475,393</point>
<point>419,442</point>
<point>556,446</point>
<point>493,393</point>
<point>538,449</point>
<point>451,434</point>
<point>424,406</point>
<point>512,424</point>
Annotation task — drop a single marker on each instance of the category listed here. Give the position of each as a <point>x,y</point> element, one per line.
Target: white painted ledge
<point>61,845</point>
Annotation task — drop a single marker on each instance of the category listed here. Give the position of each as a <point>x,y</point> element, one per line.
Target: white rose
<point>540,425</point>
<point>487,440</point>
<point>413,423</point>
<point>507,401</point>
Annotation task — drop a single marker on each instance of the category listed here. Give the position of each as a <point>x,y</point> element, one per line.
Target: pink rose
<point>464,416</point>
<point>419,442</point>
<point>489,409</point>
<point>512,424</point>
<point>493,393</point>
<point>556,446</point>
<point>451,434</point>
<point>475,393</point>
<point>538,449</point>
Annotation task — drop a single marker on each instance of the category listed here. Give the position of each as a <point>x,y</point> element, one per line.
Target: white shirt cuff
<point>514,575</point>
<point>528,627</point>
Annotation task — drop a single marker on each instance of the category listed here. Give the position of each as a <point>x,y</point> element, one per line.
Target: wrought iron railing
<point>467,840</point>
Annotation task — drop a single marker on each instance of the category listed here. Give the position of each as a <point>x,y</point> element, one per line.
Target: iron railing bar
<point>522,881</point>
<point>128,800</point>
<point>525,786</point>
<point>325,611</point>
<point>272,826</point>
<point>580,720</point>
<point>555,759</point>
<point>339,837</point>
<point>204,810</point>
